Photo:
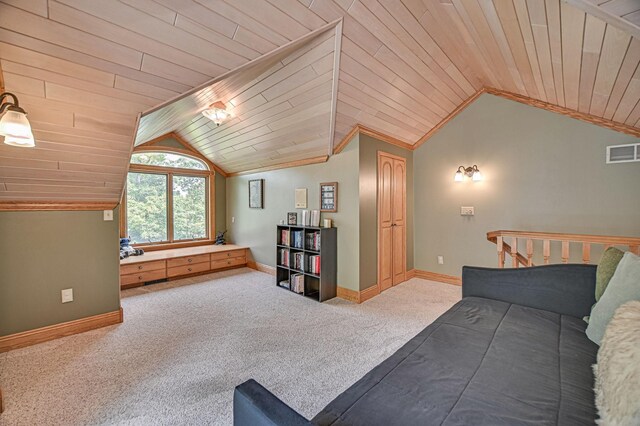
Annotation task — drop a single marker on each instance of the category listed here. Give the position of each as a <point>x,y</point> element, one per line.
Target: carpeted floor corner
<point>186,344</point>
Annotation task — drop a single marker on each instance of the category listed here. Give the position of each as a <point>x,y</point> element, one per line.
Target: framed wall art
<point>329,197</point>
<point>292,218</point>
<point>256,194</point>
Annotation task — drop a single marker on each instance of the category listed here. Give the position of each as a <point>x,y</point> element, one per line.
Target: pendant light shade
<point>21,142</point>
<point>14,125</point>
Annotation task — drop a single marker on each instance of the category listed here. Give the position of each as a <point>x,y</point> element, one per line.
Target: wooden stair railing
<point>500,238</point>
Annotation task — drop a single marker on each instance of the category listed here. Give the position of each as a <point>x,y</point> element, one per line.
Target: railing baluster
<point>503,238</point>
<point>565,252</point>
<point>586,253</point>
<point>546,251</point>
<point>500,252</point>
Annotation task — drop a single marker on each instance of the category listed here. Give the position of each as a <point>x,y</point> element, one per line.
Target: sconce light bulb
<point>477,176</point>
<point>459,177</point>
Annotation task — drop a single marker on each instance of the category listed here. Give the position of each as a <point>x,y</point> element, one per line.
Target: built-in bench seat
<point>135,271</point>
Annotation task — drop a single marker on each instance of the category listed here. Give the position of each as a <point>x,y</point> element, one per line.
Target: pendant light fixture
<point>14,125</point>
<point>217,112</point>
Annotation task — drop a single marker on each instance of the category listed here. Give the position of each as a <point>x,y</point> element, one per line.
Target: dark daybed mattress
<point>482,362</point>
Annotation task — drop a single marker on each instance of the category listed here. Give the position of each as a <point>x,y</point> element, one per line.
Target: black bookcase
<point>318,285</point>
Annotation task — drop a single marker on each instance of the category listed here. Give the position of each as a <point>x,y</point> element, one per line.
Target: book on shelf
<point>312,241</point>
<point>306,217</point>
<point>296,239</point>
<point>283,257</point>
<point>298,261</point>
<point>315,218</point>
<point>313,264</point>
<point>297,283</point>
<point>284,237</point>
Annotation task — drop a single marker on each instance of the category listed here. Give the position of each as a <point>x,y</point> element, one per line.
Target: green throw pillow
<point>607,266</point>
<point>624,286</point>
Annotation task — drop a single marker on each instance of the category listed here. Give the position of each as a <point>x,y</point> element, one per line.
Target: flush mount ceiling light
<point>217,112</point>
<point>14,125</point>
<point>471,172</point>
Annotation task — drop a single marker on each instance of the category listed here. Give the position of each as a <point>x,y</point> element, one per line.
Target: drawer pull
<point>228,262</point>
<point>139,266</point>
<point>228,254</point>
<point>189,269</point>
<point>190,260</point>
<point>139,277</point>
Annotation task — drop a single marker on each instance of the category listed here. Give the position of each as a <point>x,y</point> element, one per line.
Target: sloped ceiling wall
<point>281,109</point>
<point>84,69</point>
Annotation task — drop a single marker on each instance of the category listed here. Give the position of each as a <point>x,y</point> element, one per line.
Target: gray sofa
<point>512,352</point>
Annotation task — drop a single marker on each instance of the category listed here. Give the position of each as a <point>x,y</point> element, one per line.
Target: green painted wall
<point>369,148</point>
<point>42,253</point>
<point>257,227</point>
<point>543,172</point>
<point>170,142</point>
<point>221,203</point>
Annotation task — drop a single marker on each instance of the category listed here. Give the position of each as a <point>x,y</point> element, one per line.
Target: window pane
<point>189,207</point>
<point>147,207</point>
<point>165,159</point>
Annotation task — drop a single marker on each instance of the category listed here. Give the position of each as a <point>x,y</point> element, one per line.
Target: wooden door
<point>391,220</point>
<point>385,222</point>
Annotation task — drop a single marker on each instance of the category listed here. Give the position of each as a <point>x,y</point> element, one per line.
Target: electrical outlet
<point>233,219</point>
<point>440,260</point>
<point>107,215</point>
<point>67,295</point>
<point>467,211</point>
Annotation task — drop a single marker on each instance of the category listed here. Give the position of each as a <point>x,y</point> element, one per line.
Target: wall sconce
<point>217,112</point>
<point>14,125</point>
<point>471,172</point>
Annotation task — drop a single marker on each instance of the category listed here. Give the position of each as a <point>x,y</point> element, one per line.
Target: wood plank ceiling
<point>85,69</point>
<point>281,109</point>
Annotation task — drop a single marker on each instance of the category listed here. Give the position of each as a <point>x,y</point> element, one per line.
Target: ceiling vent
<point>623,153</point>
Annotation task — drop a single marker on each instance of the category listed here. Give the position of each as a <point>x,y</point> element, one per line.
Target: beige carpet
<point>184,345</point>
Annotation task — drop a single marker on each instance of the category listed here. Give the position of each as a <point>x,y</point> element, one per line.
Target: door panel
<point>398,255</point>
<point>398,191</point>
<point>385,191</point>
<point>386,256</point>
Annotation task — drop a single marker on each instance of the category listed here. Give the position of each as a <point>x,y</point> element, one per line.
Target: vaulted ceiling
<point>84,70</point>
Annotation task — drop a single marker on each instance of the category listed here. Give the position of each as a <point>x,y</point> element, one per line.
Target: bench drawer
<point>227,263</point>
<point>190,260</point>
<point>188,269</point>
<point>142,277</point>
<point>228,254</point>
<point>142,267</point>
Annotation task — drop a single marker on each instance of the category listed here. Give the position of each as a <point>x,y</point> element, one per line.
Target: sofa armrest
<point>564,289</point>
<point>253,405</point>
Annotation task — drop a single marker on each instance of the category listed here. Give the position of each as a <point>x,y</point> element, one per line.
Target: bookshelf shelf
<point>306,259</point>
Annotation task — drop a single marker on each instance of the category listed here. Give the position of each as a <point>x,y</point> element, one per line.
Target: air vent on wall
<point>623,153</point>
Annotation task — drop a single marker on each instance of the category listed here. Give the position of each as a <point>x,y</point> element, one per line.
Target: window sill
<point>167,246</point>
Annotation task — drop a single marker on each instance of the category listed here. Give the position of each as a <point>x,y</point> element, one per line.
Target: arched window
<point>167,159</point>
<point>168,198</point>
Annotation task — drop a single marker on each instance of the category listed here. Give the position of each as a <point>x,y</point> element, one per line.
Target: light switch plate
<point>467,211</point>
<point>107,215</point>
<point>67,295</point>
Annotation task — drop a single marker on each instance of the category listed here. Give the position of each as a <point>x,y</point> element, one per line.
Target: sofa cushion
<point>623,287</point>
<point>618,370</point>
<point>483,362</point>
<point>606,267</point>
